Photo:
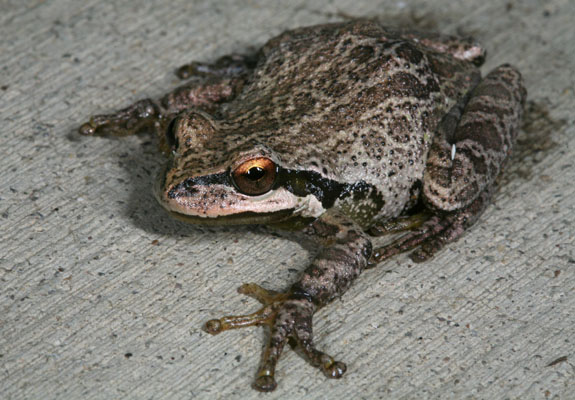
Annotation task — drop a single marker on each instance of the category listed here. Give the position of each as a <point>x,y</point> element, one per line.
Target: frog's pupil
<point>255,173</point>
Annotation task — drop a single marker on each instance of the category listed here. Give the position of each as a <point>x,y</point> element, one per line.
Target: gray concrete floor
<point>102,296</point>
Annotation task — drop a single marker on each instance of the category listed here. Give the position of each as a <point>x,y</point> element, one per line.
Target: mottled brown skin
<point>351,128</point>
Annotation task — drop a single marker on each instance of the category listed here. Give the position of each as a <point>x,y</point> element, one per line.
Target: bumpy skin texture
<point>352,127</point>
<point>352,103</point>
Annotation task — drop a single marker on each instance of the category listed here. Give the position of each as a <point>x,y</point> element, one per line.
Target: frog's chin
<point>242,218</point>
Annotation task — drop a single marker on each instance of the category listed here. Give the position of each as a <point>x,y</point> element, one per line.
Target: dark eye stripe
<point>300,183</point>
<point>186,188</point>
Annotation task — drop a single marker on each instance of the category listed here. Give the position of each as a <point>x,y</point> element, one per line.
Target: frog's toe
<point>426,251</point>
<point>262,295</point>
<point>303,334</point>
<point>265,384</point>
<point>230,66</point>
<point>335,370</point>
<point>433,244</point>
<point>327,364</point>
<point>87,129</point>
<point>431,238</point>
<point>214,326</point>
<point>331,368</point>
<point>271,300</point>
<point>264,315</point>
<point>399,224</point>
<point>188,70</point>
<point>410,241</point>
<point>98,125</point>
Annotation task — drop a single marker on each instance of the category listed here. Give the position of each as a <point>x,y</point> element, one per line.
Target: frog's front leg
<point>471,146</point>
<point>157,114</point>
<point>212,84</point>
<point>289,315</point>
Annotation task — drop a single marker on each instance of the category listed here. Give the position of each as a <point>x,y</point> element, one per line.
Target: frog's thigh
<point>465,160</point>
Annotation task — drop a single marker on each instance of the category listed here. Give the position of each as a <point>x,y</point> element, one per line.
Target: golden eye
<point>255,176</point>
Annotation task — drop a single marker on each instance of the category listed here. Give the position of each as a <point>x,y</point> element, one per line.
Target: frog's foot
<point>434,233</point>
<point>289,316</point>
<point>124,122</point>
<point>227,66</point>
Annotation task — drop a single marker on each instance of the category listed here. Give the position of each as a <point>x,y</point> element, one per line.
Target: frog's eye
<point>255,176</point>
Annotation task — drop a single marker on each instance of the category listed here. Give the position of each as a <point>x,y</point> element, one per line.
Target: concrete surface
<point>102,296</point>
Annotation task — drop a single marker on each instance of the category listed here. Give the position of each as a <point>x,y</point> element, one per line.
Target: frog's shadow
<point>534,142</point>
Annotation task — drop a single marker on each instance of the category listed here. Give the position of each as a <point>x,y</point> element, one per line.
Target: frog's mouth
<point>243,218</point>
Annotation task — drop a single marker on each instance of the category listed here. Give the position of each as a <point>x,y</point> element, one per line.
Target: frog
<point>343,132</point>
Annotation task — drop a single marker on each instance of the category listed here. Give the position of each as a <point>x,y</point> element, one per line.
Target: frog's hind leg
<point>434,233</point>
<point>465,159</point>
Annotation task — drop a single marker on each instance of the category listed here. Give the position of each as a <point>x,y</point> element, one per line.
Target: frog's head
<point>216,177</point>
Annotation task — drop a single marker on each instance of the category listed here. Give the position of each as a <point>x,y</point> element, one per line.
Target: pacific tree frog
<point>344,131</point>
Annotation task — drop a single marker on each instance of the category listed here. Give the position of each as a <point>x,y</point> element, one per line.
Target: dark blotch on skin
<point>408,52</point>
<point>362,54</point>
<point>404,84</point>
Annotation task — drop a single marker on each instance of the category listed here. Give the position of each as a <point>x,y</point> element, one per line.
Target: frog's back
<point>353,101</point>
